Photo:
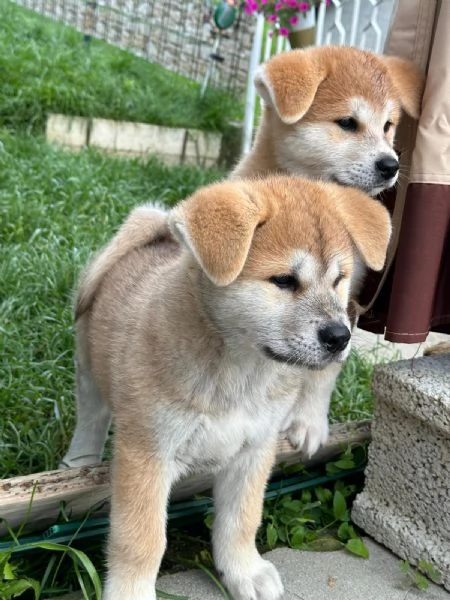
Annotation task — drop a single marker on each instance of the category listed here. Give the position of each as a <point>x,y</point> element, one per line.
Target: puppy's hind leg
<point>93,413</point>
<point>238,497</point>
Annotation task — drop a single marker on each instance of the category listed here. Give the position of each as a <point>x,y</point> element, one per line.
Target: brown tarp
<point>413,296</point>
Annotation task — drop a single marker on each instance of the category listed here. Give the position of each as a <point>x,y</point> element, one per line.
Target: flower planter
<point>303,33</point>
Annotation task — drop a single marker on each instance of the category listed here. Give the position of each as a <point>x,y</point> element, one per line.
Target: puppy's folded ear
<point>217,225</point>
<point>289,82</point>
<point>409,81</point>
<point>368,223</point>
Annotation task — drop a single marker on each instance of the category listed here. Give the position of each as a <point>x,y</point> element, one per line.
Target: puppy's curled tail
<point>144,225</point>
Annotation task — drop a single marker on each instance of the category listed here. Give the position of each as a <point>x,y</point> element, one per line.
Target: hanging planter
<point>289,18</point>
<point>303,29</point>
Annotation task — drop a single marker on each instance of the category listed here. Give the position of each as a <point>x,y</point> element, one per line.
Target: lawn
<point>47,67</point>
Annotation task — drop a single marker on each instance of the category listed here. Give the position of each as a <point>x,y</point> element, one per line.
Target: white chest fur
<point>207,441</point>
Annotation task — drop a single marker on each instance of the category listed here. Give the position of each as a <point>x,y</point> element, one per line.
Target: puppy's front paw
<point>261,582</point>
<point>306,433</point>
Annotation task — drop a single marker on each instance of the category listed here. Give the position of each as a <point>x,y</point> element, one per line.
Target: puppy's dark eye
<point>285,282</point>
<point>347,124</point>
<point>387,126</point>
<point>338,280</point>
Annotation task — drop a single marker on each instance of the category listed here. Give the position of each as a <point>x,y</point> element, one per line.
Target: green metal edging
<point>63,533</point>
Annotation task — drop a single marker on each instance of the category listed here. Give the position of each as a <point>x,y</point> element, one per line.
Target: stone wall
<point>175,34</point>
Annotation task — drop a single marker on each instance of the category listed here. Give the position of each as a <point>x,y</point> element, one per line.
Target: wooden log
<point>40,498</point>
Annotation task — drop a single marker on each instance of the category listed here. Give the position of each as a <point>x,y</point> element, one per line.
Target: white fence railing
<point>360,23</point>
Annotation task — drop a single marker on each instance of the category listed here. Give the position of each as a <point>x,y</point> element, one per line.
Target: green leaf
<point>19,586</point>
<point>8,572</point>
<point>209,520</point>
<point>339,506</point>
<point>306,496</point>
<point>160,594</point>
<point>282,536</point>
<point>346,532</point>
<point>323,494</point>
<point>272,535</point>
<point>331,469</point>
<point>297,536</point>
<point>294,506</point>
<point>345,464</point>
<point>420,581</point>
<point>76,555</point>
<point>405,567</point>
<point>343,532</point>
<point>291,469</point>
<point>325,544</point>
<point>358,547</point>
<point>206,558</point>
<point>430,570</point>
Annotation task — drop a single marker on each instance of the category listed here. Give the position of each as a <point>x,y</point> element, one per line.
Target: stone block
<point>144,139</point>
<point>103,134</point>
<point>69,132</point>
<point>201,148</point>
<point>405,504</point>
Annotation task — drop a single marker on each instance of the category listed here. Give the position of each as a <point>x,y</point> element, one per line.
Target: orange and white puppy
<point>330,113</point>
<point>188,323</point>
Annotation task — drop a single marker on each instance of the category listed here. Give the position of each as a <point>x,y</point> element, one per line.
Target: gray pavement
<point>320,576</point>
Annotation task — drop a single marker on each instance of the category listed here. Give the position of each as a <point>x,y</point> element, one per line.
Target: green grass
<point>47,67</point>
<point>56,208</point>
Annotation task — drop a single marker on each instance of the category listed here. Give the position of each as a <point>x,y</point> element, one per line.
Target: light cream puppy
<point>331,113</point>
<point>187,326</point>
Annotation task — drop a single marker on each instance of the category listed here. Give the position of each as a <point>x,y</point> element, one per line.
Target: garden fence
<point>177,34</point>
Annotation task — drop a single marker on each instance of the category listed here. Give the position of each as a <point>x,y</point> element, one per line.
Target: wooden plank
<point>80,489</point>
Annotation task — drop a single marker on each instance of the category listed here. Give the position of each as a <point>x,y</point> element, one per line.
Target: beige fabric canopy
<point>414,294</point>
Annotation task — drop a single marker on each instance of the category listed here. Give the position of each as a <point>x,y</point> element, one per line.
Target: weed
<point>418,577</point>
<point>317,518</point>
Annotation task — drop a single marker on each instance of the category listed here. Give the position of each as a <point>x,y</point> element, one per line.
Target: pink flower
<point>278,6</point>
<point>283,31</point>
<point>272,18</point>
<point>292,3</point>
<point>293,20</point>
<point>251,6</point>
<point>263,2</point>
<point>328,2</point>
<point>303,6</point>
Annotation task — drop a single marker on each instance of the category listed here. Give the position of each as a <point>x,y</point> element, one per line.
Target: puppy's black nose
<point>387,166</point>
<point>334,337</point>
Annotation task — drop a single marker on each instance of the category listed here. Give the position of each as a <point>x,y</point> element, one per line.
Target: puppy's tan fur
<point>179,322</point>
